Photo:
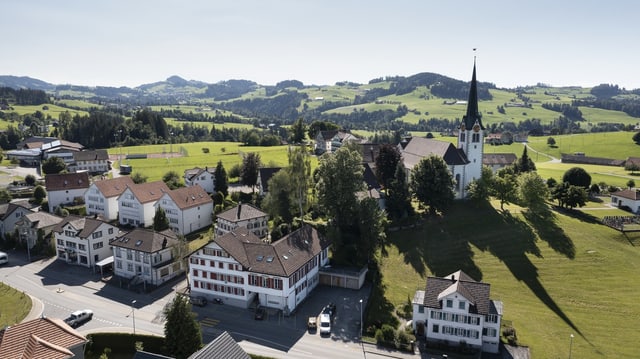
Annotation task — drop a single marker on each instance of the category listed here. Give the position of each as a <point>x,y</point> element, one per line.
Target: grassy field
<point>54,110</point>
<point>15,305</point>
<point>557,275</point>
<point>192,155</point>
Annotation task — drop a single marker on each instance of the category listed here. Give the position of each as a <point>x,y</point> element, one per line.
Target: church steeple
<point>473,114</point>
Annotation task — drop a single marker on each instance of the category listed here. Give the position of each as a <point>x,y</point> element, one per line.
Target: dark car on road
<point>329,309</point>
<point>260,313</point>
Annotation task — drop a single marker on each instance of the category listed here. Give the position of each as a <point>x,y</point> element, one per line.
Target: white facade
<point>84,241</point>
<point>101,197</point>
<point>205,178</point>
<point>457,313</point>
<point>188,209</point>
<point>628,197</point>
<point>65,196</point>
<point>11,217</point>
<point>136,205</point>
<point>145,257</point>
<point>257,276</point>
<point>243,216</point>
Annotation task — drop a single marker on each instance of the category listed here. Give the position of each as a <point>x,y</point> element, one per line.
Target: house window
<point>420,309</point>
<point>130,267</point>
<point>449,303</point>
<point>435,328</point>
<point>98,245</point>
<point>462,137</point>
<point>110,230</point>
<point>119,264</point>
<point>461,305</point>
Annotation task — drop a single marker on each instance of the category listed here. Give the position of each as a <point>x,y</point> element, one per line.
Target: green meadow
<point>557,274</point>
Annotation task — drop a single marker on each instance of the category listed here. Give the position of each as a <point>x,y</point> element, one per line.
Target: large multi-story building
<point>83,241</point>
<point>101,198</point>
<point>136,205</point>
<point>241,269</point>
<point>243,215</point>
<point>188,209</point>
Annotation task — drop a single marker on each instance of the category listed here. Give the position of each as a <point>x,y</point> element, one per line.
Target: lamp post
<point>133,315</point>
<point>360,319</point>
<point>570,344</point>
<point>26,239</point>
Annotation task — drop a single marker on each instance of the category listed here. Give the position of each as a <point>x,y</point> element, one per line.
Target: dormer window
<point>462,305</point>
<point>449,303</point>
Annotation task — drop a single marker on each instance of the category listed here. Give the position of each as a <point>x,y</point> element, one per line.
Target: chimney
<point>239,209</point>
<point>453,278</point>
<point>164,243</point>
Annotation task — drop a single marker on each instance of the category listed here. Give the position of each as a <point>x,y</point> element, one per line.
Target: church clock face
<point>476,128</point>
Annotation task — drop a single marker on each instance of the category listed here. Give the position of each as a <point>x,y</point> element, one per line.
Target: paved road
<point>59,289</point>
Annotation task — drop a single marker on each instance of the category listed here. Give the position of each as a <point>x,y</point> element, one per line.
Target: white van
<point>325,324</point>
<point>4,258</point>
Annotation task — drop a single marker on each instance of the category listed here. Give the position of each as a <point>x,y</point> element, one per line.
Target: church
<point>465,159</point>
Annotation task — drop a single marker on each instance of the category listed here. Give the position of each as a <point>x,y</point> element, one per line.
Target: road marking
<point>209,322</point>
<point>264,340</point>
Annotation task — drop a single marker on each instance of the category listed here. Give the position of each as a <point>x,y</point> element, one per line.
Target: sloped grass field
<point>557,274</point>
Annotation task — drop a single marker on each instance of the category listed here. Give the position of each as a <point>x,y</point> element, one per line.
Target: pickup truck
<point>312,323</point>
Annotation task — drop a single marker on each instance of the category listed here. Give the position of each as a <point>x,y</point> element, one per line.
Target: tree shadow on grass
<point>444,246</point>
<point>379,310</point>
<point>544,222</point>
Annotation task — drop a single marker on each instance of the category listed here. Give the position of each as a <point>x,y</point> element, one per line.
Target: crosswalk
<point>209,322</point>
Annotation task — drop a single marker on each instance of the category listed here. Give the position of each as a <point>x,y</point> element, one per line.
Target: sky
<point>134,42</point>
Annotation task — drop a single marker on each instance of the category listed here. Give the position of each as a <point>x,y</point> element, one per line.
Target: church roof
<point>473,113</point>
<point>420,147</point>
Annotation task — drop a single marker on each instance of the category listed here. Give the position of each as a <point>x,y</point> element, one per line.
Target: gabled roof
<point>369,152</point>
<point>505,159</point>
<point>149,192</point>
<point>41,219</point>
<point>113,187</point>
<point>97,155</point>
<point>7,209</point>
<point>241,212</point>
<point>145,240</point>
<point>66,181</point>
<point>84,225</point>
<point>188,197</point>
<point>197,171</point>
<point>265,175</point>
<point>369,177</point>
<point>328,135</point>
<point>476,293</point>
<point>633,160</point>
<point>39,338</point>
<point>632,194</point>
<point>420,147</point>
<point>222,347</point>
<point>281,258</point>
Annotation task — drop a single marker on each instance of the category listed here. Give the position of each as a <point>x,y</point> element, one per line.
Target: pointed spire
<point>473,113</point>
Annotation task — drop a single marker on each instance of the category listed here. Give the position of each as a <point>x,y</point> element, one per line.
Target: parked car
<point>79,317</point>
<point>4,258</point>
<point>198,300</point>
<point>260,313</point>
<point>312,323</point>
<point>325,324</point>
<point>329,309</point>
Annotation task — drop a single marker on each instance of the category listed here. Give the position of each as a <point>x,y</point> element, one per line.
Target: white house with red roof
<point>243,215</point>
<point>241,269</point>
<point>136,204</point>
<point>65,188</point>
<point>83,240</point>
<point>457,310</point>
<point>627,197</point>
<point>188,209</point>
<point>101,198</point>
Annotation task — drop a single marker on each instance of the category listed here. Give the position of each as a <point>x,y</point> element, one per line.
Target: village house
<point>330,141</point>
<point>101,198</point>
<point>188,209</point>
<point>91,161</point>
<point>36,225</point>
<point>83,240</point>
<point>66,188</point>
<point>146,257</point>
<point>627,198</point>
<point>239,268</point>
<point>243,215</point>
<point>497,161</point>
<point>203,177</point>
<point>42,338</point>
<point>457,310</point>
<point>10,214</point>
<point>136,204</point>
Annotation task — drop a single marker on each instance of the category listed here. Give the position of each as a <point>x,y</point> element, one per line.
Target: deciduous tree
<point>249,171</point>
<point>432,183</point>
<point>386,163</point>
<point>182,333</point>
<point>53,165</point>
<point>577,176</point>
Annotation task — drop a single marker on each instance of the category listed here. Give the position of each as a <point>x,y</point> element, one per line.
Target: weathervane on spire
<point>474,54</point>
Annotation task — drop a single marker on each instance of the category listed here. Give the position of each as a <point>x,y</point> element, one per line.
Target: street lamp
<point>360,319</point>
<point>133,315</point>
<point>570,344</point>
<point>26,239</point>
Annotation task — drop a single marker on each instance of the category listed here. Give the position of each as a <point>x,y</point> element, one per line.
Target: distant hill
<point>24,82</point>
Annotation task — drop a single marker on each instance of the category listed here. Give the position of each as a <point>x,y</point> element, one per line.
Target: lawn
<point>557,275</point>
<point>15,305</point>
<point>192,155</point>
